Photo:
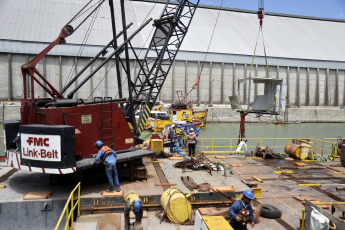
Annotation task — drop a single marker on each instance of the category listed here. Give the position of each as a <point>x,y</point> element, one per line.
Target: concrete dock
<point>277,189</point>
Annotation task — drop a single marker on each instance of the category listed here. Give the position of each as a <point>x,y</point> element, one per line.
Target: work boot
<point>118,189</point>
<point>108,190</point>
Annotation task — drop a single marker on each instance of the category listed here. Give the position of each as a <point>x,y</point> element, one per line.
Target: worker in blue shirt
<point>241,212</point>
<point>172,138</point>
<point>108,156</point>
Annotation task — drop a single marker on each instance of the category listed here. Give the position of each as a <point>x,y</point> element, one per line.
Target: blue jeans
<point>112,176</point>
<point>172,144</point>
<point>180,142</point>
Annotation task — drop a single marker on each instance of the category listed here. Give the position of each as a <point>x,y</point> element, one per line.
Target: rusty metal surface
<point>161,176</point>
<point>7,175</point>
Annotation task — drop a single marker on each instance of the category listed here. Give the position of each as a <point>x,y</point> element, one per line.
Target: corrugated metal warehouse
<point>306,52</point>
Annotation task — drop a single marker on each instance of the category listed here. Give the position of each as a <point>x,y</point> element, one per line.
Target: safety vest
<point>132,196</point>
<point>191,137</point>
<point>106,151</point>
<point>179,132</point>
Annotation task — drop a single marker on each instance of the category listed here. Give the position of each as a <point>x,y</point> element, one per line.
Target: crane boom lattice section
<point>170,31</point>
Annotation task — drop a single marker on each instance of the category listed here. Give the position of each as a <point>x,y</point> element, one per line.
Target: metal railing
<point>319,148</point>
<point>69,210</point>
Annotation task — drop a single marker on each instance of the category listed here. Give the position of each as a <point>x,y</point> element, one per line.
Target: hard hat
<point>178,126</point>
<point>248,194</point>
<point>192,130</point>
<point>172,126</point>
<point>136,206</point>
<point>99,144</point>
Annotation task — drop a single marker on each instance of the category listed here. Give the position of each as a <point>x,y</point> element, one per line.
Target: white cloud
<point>341,15</point>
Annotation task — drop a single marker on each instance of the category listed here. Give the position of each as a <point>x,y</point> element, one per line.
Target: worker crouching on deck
<point>108,156</point>
<point>241,212</point>
<point>133,202</point>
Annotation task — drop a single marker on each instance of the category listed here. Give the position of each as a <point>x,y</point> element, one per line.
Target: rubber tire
<point>270,212</point>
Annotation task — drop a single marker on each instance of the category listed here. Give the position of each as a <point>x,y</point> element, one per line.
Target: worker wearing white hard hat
<point>192,142</point>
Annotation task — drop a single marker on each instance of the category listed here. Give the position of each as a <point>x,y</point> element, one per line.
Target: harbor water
<point>263,130</point>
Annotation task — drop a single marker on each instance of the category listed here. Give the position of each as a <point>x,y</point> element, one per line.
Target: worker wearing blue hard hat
<point>108,156</point>
<point>133,202</point>
<point>241,212</point>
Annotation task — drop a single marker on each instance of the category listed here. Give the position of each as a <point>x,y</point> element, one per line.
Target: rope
<point>256,44</point>
<point>176,220</point>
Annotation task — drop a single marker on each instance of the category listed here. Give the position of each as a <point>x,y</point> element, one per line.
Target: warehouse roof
<point>39,22</point>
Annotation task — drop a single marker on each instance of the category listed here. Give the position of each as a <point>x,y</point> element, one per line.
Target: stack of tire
<point>270,212</point>
<point>342,157</point>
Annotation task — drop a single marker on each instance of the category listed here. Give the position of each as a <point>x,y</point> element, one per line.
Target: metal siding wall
<point>312,86</point>
<point>17,79</point>
<point>228,75</point>
<point>205,83</point>
<point>331,87</point>
<point>166,93</point>
<point>84,91</point>
<point>51,65</point>
<point>302,86</point>
<point>322,84</point>
<point>67,71</point>
<point>216,83</point>
<point>341,84</point>
<point>4,73</point>
<point>239,73</point>
<point>179,80</point>
<point>292,85</point>
<point>52,70</point>
<point>192,75</point>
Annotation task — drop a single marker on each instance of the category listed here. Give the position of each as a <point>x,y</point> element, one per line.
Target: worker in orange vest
<point>192,142</point>
<point>108,157</point>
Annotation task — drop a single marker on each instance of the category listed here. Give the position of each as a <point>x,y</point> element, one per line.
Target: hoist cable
<point>208,48</point>
<point>256,44</point>
<point>124,81</point>
<point>263,42</point>
<point>86,37</point>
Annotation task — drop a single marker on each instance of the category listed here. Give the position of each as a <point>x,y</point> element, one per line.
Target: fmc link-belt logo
<point>42,153</point>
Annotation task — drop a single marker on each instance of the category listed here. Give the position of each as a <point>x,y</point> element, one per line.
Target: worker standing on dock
<point>241,212</point>
<point>133,202</point>
<point>192,141</point>
<point>179,135</point>
<point>172,138</point>
<point>108,156</point>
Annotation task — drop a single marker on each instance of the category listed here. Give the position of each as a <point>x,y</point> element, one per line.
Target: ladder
<point>106,128</point>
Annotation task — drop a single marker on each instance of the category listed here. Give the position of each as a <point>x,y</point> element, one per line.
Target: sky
<point>317,8</point>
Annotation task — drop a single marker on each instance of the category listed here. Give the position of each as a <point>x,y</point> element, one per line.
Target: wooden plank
<point>112,194</point>
<point>206,211</point>
<point>301,164</point>
<point>176,158</point>
<point>36,195</point>
<point>165,184</point>
<point>221,157</point>
<point>303,198</point>
<point>228,188</point>
<point>236,165</point>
